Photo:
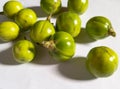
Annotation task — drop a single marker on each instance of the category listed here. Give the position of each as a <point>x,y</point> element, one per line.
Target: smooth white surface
<point>48,74</point>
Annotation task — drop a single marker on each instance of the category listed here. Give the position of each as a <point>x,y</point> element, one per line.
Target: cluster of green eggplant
<point>59,39</point>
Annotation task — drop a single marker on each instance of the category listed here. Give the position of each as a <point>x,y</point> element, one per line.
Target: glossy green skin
<point>69,22</point>
<point>11,8</point>
<point>64,46</point>
<point>23,51</point>
<point>41,31</point>
<point>50,6</point>
<point>25,18</point>
<point>9,31</point>
<point>78,6</point>
<point>102,61</point>
<point>98,27</point>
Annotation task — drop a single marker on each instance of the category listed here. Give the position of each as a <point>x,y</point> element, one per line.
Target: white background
<point>46,73</point>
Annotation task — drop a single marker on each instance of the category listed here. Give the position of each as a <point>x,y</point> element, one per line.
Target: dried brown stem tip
<point>112,32</point>
<point>49,17</point>
<point>48,44</point>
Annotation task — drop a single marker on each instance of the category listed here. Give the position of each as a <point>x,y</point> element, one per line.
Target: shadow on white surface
<point>4,18</point>
<point>62,10</point>
<point>43,57</point>
<point>2,42</point>
<point>6,57</point>
<point>75,69</point>
<point>40,13</point>
<point>83,37</point>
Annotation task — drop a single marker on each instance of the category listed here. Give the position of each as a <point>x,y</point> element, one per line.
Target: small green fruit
<point>102,61</point>
<point>25,18</point>
<point>99,27</point>
<point>8,31</point>
<point>41,31</point>
<point>11,8</point>
<point>78,6</point>
<point>69,22</point>
<point>50,6</point>
<point>63,46</point>
<point>23,51</point>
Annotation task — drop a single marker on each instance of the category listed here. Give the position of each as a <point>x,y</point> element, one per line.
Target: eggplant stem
<point>48,44</point>
<point>112,32</point>
<point>49,17</point>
